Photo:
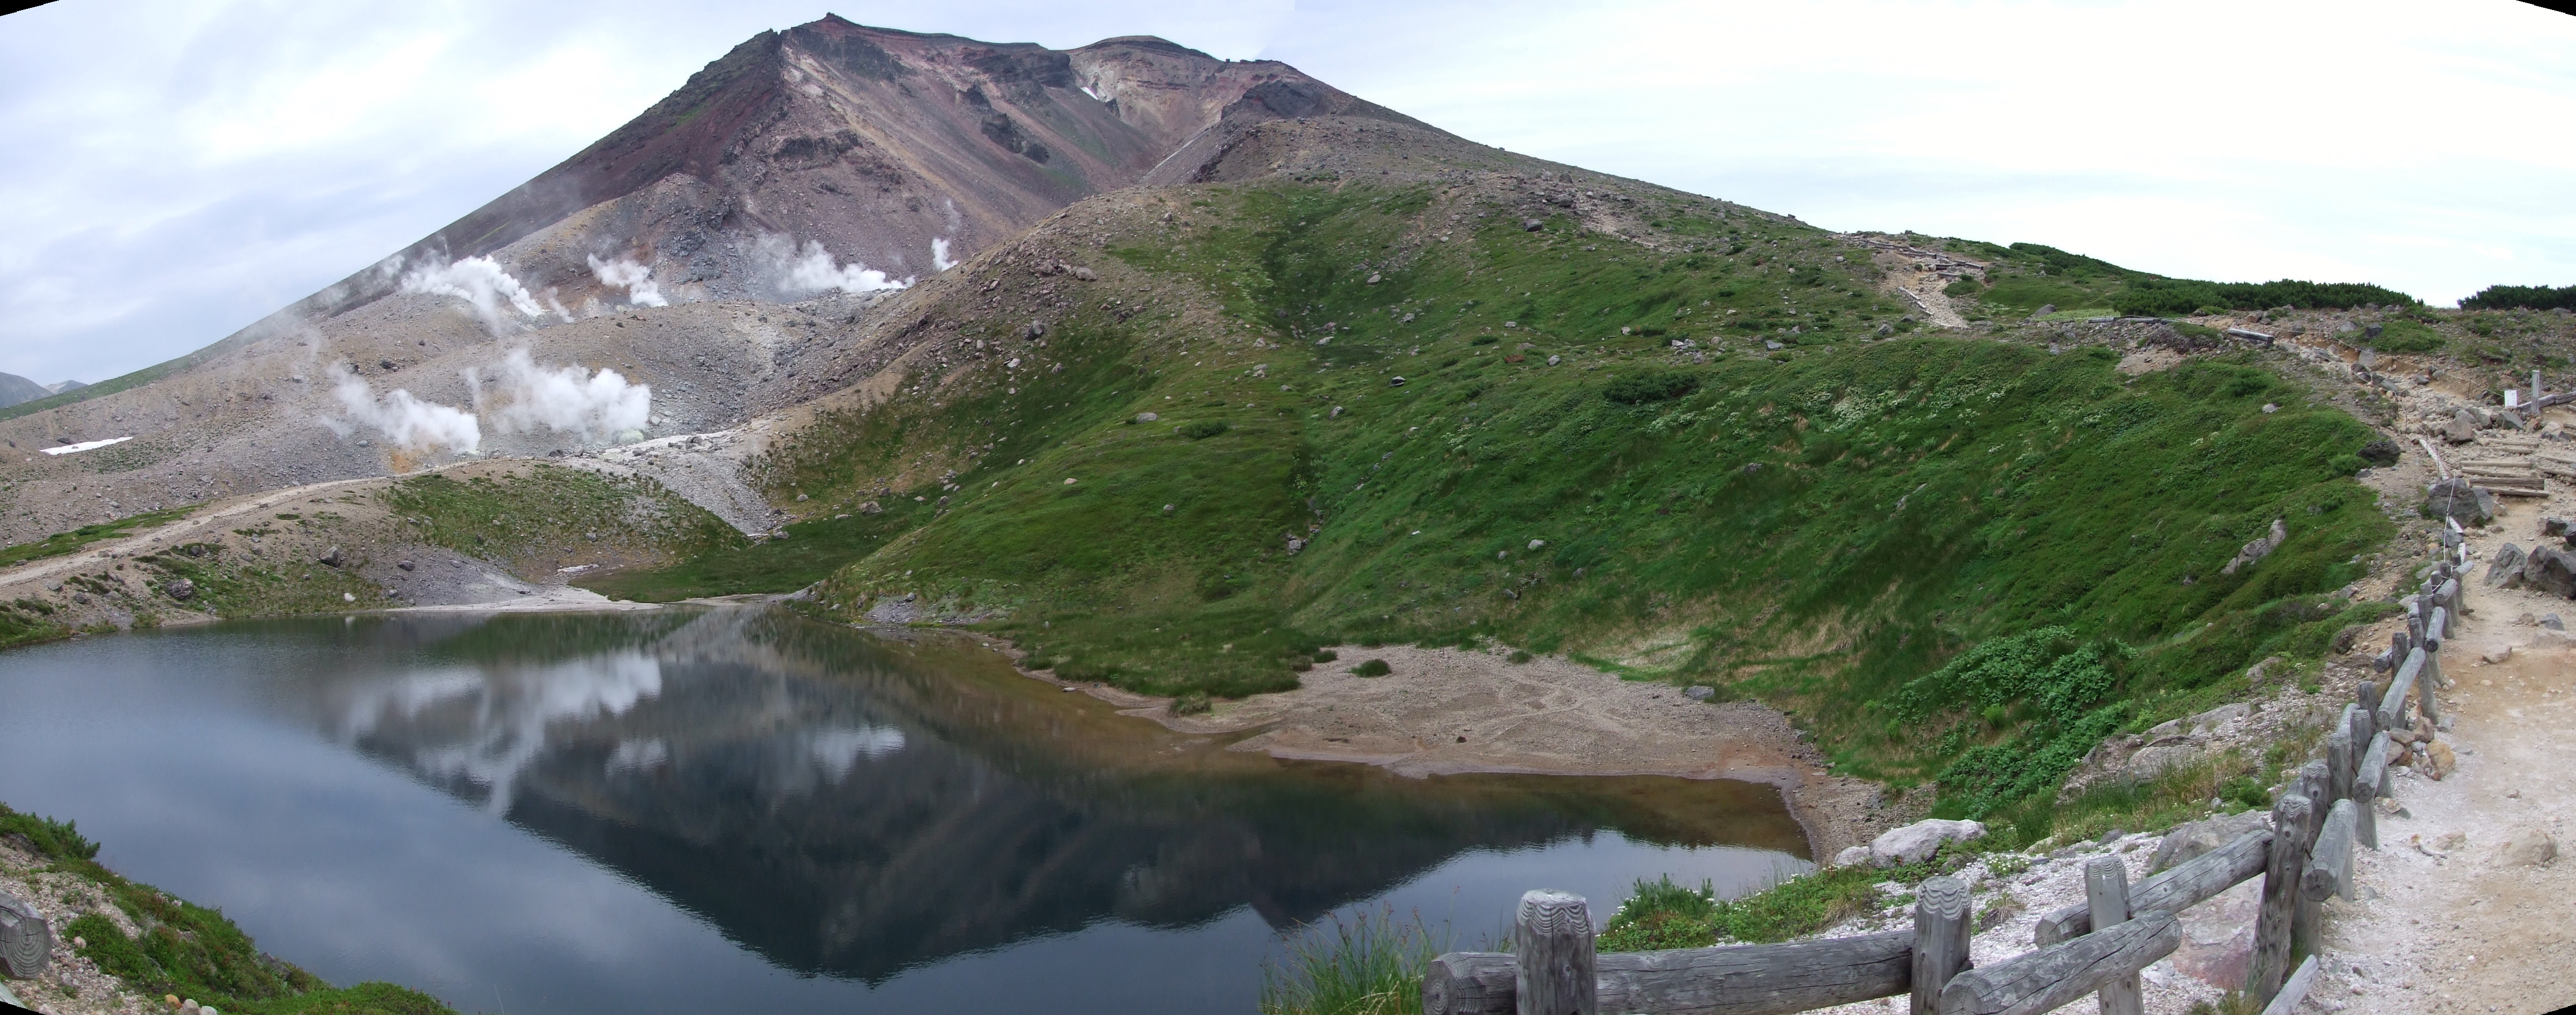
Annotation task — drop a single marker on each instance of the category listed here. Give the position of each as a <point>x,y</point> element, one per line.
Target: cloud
<point>813,270</point>
<point>526,397</point>
<point>636,279</point>
<point>409,422</point>
<point>480,281</point>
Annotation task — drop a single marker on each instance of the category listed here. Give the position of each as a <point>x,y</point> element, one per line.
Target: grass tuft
<point>1362,964</point>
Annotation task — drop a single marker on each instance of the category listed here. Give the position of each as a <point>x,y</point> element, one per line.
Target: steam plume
<point>813,269</point>
<point>565,399</point>
<point>636,279</point>
<point>476,280</point>
<point>939,255</point>
<point>407,421</point>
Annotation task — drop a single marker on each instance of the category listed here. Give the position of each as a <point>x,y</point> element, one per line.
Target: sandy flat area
<point>1449,711</point>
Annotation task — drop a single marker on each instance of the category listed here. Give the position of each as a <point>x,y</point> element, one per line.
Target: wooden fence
<point>2096,947</point>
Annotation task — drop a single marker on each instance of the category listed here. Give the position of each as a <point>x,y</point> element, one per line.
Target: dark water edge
<point>696,810</point>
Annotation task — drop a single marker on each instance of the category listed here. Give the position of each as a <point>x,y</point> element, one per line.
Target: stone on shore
<point>1917,842</point>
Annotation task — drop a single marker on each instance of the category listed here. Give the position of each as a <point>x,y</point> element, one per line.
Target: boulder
<point>2155,760</point>
<point>2553,623</point>
<point>1853,857</point>
<point>2554,527</point>
<point>2551,570</point>
<point>26,940</point>
<point>1699,692</point>
<point>180,588</point>
<point>2530,847</point>
<point>2461,501</point>
<point>2192,839</point>
<point>1917,842</point>
<point>2505,571</point>
<point>2044,310</point>
<point>331,559</point>
<point>2380,452</point>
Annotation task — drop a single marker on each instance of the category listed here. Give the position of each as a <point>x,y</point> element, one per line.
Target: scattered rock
<point>2220,716</point>
<point>2553,623</point>
<point>870,508</point>
<point>2462,428</point>
<point>1146,417</point>
<point>180,588</point>
<point>2195,838</point>
<point>1533,225</point>
<point>1917,842</point>
<point>1852,857</point>
<point>403,564</point>
<point>2044,310</point>
<point>2554,527</point>
<point>2497,656</point>
<point>2442,760</point>
<point>2257,672</point>
<point>2530,847</point>
<point>1699,692</point>
<point>331,559</point>
<point>2379,452</point>
<point>2258,549</point>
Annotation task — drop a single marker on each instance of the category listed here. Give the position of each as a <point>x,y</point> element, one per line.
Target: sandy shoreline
<point>1450,711</point>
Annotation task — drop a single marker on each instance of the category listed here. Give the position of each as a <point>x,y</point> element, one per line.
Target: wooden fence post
<point>2368,781</point>
<point>2424,685</point>
<point>2339,756</point>
<point>1940,939</point>
<point>2313,783</point>
<point>2281,875</point>
<point>1553,934</point>
<point>2392,703</point>
<point>2106,893</point>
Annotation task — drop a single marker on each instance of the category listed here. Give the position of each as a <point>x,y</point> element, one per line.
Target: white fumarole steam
<point>636,279</point>
<point>407,421</point>
<point>812,269</point>
<point>476,280</point>
<point>939,255</point>
<point>563,399</point>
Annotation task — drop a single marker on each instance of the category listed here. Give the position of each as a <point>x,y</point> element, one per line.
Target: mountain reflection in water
<point>855,804</point>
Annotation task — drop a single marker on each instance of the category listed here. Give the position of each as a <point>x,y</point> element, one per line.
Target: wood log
<point>2437,628</point>
<point>2051,977</point>
<point>1733,980</point>
<point>2330,860</point>
<point>1552,935</point>
<point>2449,594</point>
<point>2106,896</point>
<point>2287,1001</point>
<point>2179,888</point>
<point>2288,861</point>
<point>1940,940</point>
<point>2392,704</point>
<point>26,940</point>
<point>2369,701</point>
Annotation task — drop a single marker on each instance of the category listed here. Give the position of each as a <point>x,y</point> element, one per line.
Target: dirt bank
<point>1448,711</point>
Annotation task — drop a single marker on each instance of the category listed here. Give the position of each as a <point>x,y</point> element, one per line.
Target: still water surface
<point>735,809</point>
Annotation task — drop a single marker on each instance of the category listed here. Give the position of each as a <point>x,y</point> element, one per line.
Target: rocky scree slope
<point>823,165</point>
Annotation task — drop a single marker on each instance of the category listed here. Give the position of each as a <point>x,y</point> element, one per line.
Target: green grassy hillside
<point>1822,525</point>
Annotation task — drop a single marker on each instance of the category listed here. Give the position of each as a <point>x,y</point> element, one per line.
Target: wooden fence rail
<point>2099,946</point>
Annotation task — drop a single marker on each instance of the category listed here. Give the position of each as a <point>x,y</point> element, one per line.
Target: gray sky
<point>176,170</point>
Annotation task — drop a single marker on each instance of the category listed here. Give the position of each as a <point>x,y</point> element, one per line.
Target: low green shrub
<point>1204,429</point>
<point>1372,668</point>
